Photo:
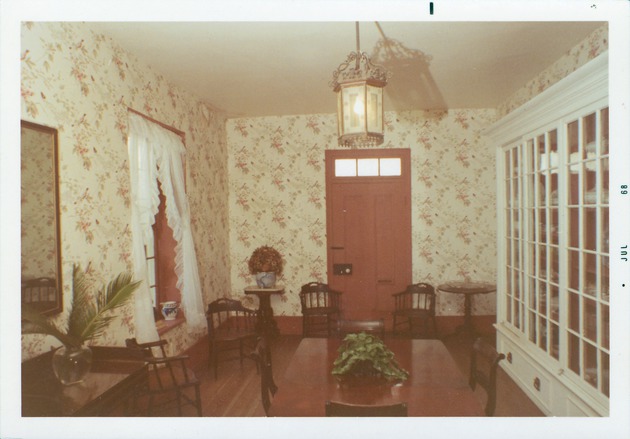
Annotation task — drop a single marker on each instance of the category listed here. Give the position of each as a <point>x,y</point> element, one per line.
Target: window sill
<point>164,326</point>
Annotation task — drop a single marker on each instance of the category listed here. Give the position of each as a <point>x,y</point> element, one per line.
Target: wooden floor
<point>236,392</point>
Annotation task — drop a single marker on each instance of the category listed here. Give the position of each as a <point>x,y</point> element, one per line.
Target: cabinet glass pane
<point>554,303</point>
<point>553,225</point>
<point>589,326</point>
<point>590,274</point>
<point>554,266</point>
<point>555,341</point>
<point>590,364</point>
<point>605,374</point>
<point>604,327</point>
<point>574,353</point>
<point>605,231</point>
<point>604,180</point>
<point>604,131</point>
<point>590,229</point>
<point>542,330</point>
<point>573,264</point>
<point>588,136</point>
<point>574,227</point>
<point>574,312</point>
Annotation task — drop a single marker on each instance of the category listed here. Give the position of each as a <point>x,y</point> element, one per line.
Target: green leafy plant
<point>265,259</point>
<point>87,318</point>
<point>364,354</point>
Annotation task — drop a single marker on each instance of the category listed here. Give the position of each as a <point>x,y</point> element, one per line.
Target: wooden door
<point>369,228</point>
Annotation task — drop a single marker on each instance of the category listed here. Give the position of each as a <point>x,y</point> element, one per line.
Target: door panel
<point>369,230</point>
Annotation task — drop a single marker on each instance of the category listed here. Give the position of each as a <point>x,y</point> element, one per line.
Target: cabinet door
<point>512,217</point>
<point>587,253</point>
<point>543,268</point>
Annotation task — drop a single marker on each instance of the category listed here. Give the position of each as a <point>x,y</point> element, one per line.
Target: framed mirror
<point>40,237</point>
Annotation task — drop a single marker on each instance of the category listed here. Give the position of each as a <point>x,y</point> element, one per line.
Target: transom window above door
<point>368,167</point>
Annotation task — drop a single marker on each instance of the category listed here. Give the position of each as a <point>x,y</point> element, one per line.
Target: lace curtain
<point>155,153</point>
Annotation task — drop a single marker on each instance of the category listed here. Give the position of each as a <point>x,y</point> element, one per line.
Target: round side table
<point>468,290</point>
<point>266,324</point>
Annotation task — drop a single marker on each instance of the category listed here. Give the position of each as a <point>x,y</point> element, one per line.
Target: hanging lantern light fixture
<point>359,86</point>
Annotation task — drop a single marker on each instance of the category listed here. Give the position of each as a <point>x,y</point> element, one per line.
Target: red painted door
<point>369,228</point>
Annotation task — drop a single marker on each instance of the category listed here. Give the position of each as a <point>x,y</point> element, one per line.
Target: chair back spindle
<point>321,308</point>
<point>230,326</point>
<point>415,305</point>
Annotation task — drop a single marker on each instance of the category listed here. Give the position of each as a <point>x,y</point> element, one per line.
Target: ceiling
<point>250,69</point>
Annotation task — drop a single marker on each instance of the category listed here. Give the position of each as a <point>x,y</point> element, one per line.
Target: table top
<point>44,395</point>
<point>257,290</point>
<point>463,287</point>
<point>435,386</point>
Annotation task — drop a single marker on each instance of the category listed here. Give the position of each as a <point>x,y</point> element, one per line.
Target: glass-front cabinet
<point>553,219</point>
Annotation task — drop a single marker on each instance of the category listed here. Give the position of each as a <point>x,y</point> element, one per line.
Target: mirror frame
<point>57,306</point>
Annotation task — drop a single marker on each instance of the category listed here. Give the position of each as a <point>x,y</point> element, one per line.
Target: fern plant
<point>364,354</point>
<point>87,319</point>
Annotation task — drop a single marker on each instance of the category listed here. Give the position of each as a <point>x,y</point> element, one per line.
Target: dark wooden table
<point>112,379</point>
<point>435,386</point>
<point>266,323</point>
<point>468,290</point>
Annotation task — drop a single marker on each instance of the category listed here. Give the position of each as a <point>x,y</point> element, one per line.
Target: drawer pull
<point>537,383</point>
<point>509,357</point>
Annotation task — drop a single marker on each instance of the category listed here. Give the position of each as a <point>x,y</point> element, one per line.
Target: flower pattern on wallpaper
<point>250,181</point>
<point>278,189</point>
<point>82,84</point>
<point>591,47</point>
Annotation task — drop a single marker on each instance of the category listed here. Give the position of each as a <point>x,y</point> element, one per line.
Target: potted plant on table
<point>266,264</point>
<point>364,357</point>
<point>87,320</point>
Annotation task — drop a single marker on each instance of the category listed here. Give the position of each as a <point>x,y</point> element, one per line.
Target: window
<point>160,254</point>
<point>368,167</point>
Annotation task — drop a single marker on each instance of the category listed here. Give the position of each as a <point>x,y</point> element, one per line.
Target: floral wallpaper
<point>250,181</point>
<point>38,205</point>
<point>592,46</point>
<point>277,189</point>
<point>277,197</point>
<point>82,83</point>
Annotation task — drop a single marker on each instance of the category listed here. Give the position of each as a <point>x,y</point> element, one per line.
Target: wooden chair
<point>169,381</point>
<point>486,377</point>
<point>375,327</point>
<point>339,409</point>
<point>262,356</point>
<point>321,308</point>
<point>231,326</point>
<point>415,304</point>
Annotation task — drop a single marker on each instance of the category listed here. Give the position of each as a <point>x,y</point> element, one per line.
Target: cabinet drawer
<point>536,382</point>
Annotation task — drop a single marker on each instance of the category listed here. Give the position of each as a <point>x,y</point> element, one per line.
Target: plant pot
<point>266,279</point>
<point>351,381</point>
<point>71,364</point>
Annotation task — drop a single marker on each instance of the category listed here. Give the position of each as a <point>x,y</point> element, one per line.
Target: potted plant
<point>87,320</point>
<point>265,263</point>
<point>364,357</point>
